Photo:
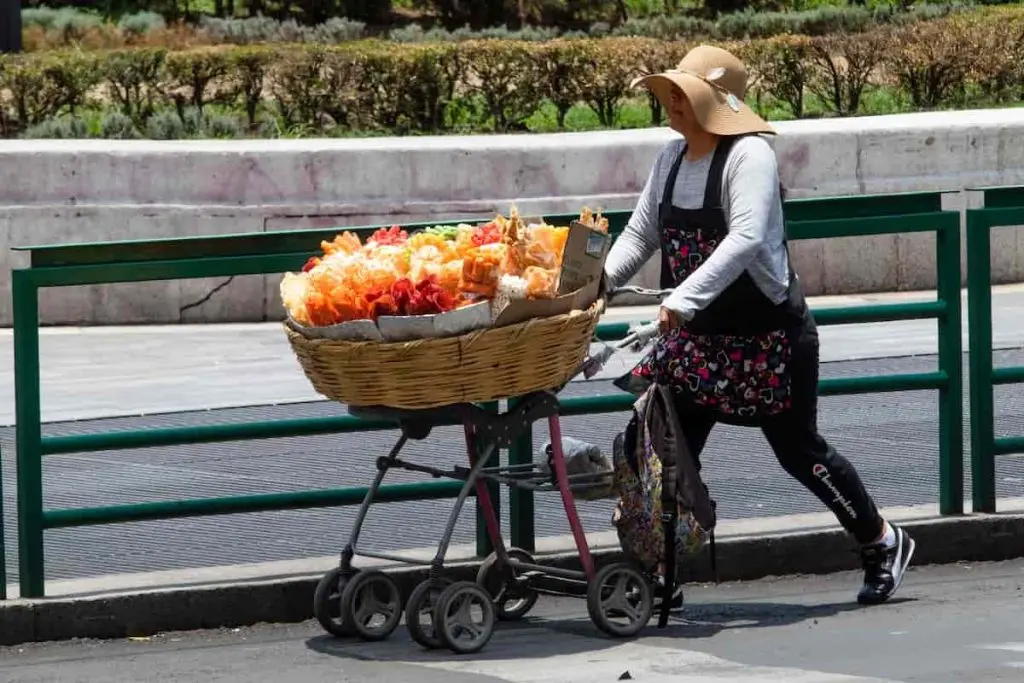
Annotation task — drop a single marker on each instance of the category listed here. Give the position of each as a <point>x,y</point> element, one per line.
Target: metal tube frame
<point>382,469</point>
<point>476,478</point>
<point>473,478</point>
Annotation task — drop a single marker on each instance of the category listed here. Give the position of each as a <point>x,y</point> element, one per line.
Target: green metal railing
<point>3,541</point>
<point>275,252</point>
<point>1003,207</point>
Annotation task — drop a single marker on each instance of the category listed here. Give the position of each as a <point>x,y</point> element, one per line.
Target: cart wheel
<point>464,617</point>
<point>371,605</point>
<point>512,598</point>
<point>419,612</point>
<point>619,600</point>
<point>327,601</point>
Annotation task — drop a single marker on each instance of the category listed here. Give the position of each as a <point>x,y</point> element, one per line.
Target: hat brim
<point>716,111</point>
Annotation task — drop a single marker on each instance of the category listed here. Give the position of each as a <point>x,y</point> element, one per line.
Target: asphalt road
<point>949,624</point>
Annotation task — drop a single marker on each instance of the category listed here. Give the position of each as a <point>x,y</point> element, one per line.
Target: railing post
<point>3,544</point>
<point>484,547</point>
<point>520,500</point>
<point>979,329</point>
<point>951,428</point>
<point>28,432</point>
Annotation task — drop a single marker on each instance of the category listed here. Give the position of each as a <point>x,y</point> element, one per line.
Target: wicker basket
<point>484,365</point>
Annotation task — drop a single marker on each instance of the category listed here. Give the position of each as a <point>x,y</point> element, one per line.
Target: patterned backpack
<point>652,469</point>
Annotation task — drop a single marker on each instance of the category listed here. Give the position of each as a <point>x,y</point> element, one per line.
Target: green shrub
<point>375,87</point>
<point>257,29</point>
<point>931,60</point>
<point>561,72</point>
<point>746,25</point>
<point>247,73</point>
<point>783,69</point>
<point>223,126</point>
<point>842,67</point>
<point>614,64</point>
<point>140,23</point>
<point>998,67</point>
<point>135,79</point>
<point>190,75</point>
<point>117,126</point>
<point>502,73</point>
<point>67,20</point>
<point>337,30</point>
<point>165,125</point>
<point>62,128</point>
<point>47,27</point>
<point>665,28</point>
<point>317,85</point>
<point>48,86</point>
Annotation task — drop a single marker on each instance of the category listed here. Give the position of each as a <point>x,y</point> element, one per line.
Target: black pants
<point>800,449</point>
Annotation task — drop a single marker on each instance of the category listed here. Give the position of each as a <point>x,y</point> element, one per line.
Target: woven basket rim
<point>515,329</point>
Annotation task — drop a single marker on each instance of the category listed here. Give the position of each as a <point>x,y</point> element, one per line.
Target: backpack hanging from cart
<point>665,514</point>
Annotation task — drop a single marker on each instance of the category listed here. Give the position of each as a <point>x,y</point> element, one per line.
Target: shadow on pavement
<point>530,637</point>
<point>536,637</point>
<point>704,620</point>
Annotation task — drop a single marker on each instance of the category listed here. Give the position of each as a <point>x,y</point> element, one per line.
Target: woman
<point>738,344</point>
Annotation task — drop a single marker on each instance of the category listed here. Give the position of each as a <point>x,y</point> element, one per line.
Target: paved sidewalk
<point>126,378</point>
<point>949,624</point>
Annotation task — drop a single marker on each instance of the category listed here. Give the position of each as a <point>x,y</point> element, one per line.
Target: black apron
<point>732,359</point>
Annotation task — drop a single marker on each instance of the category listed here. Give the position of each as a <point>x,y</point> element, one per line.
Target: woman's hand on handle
<point>667,320</point>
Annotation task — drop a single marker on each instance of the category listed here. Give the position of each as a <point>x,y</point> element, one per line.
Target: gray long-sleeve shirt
<point>753,207</point>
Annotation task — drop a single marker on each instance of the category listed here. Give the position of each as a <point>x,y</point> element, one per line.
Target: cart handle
<point>637,338</point>
<point>640,335</point>
<point>657,294</point>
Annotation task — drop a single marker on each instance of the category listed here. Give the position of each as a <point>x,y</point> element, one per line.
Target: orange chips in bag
<point>481,269</point>
<point>541,283</point>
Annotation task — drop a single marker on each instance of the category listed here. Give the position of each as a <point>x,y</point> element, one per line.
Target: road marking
<point>541,656</point>
<point>1004,647</point>
<point>1008,647</point>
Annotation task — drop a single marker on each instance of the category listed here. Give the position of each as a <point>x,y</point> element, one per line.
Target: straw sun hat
<point>715,82</point>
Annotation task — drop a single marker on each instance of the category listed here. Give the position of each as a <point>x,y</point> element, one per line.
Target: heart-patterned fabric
<point>739,376</point>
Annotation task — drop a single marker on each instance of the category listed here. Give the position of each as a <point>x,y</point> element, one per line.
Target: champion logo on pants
<point>821,472</point>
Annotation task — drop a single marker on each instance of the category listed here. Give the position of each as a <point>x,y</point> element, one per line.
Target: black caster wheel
<point>419,612</point>
<point>464,617</point>
<point>513,599</point>
<point>371,605</point>
<point>619,600</point>
<point>327,601</point>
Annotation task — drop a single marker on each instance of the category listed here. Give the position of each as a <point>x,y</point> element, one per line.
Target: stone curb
<point>974,538</point>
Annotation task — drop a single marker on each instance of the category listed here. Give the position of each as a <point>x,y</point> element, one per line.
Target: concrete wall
<point>84,191</point>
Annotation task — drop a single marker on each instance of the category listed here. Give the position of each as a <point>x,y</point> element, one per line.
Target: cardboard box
<point>579,282</point>
<point>583,260</point>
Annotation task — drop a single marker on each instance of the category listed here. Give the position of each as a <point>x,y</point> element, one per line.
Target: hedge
<point>66,27</point>
<point>376,87</point>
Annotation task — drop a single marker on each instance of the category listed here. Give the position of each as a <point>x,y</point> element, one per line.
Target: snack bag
<point>543,246</point>
<point>481,269</point>
<point>594,221</point>
<point>541,283</point>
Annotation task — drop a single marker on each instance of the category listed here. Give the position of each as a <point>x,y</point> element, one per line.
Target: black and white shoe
<point>676,601</point>
<point>884,568</point>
